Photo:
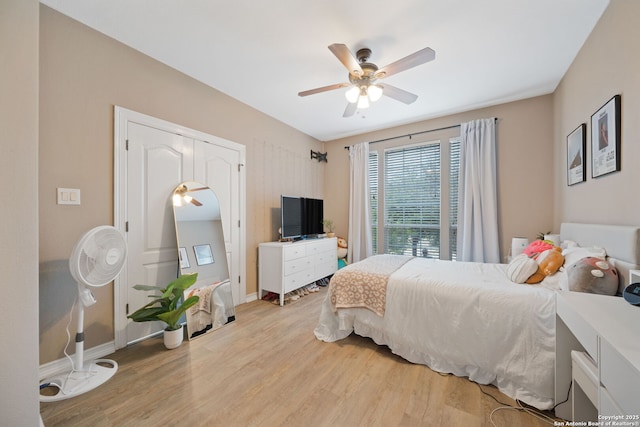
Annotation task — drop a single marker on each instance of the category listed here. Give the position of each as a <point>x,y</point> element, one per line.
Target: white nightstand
<point>634,276</point>
<point>605,328</point>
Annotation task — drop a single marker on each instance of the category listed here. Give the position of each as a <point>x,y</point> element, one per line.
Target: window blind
<point>412,201</point>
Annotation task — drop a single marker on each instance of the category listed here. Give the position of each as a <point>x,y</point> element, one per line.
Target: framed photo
<point>203,254</point>
<point>576,147</point>
<point>605,138</point>
<point>184,259</point>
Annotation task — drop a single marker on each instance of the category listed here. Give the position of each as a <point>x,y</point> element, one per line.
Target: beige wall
<point>524,162</point>
<point>608,64</point>
<point>83,74</point>
<point>18,236</point>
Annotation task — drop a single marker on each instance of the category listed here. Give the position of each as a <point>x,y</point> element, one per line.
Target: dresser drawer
<point>619,378</point>
<point>326,268</point>
<point>294,252</point>
<point>324,245</point>
<point>324,257</point>
<point>297,280</point>
<point>297,265</point>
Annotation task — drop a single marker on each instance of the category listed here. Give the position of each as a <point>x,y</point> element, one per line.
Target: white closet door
<point>157,161</point>
<point>160,156</point>
<point>218,167</point>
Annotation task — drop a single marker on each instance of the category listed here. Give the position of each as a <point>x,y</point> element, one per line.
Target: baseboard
<point>63,365</point>
<point>251,297</point>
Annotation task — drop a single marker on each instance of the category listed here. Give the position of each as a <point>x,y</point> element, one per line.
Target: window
<point>414,203</point>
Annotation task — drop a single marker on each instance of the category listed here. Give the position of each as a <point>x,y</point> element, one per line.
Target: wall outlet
<point>68,196</point>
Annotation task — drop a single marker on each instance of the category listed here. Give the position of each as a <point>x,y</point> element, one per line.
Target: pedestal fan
<point>97,258</point>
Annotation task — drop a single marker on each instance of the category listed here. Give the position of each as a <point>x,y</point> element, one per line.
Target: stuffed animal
<point>342,248</point>
<point>549,261</point>
<point>593,275</point>
<point>342,252</point>
<point>537,247</point>
<point>521,268</point>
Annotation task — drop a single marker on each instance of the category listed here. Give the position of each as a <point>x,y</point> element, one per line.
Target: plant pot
<point>173,339</point>
<point>331,235</point>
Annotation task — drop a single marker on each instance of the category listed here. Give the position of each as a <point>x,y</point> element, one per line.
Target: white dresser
<point>606,383</point>
<point>286,266</point>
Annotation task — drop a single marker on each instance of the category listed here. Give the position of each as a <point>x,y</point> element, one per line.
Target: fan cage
<point>98,257</point>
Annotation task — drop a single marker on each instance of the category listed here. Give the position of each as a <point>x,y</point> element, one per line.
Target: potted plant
<point>167,308</point>
<point>329,226</point>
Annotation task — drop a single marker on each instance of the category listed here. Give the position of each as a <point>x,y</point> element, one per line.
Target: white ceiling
<point>263,52</point>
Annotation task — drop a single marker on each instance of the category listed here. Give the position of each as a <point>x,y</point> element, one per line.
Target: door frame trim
<point>122,116</point>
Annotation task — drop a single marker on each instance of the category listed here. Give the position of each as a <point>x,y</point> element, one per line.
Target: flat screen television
<point>300,217</point>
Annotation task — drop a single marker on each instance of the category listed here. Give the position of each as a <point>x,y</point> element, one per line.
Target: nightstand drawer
<point>608,407</point>
<point>587,336</point>
<point>619,378</point>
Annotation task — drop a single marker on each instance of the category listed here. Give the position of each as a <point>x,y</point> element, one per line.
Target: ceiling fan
<point>364,76</point>
<point>180,195</point>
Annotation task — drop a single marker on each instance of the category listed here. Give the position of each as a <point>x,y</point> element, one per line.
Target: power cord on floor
<point>520,408</point>
<point>505,406</point>
<point>75,301</point>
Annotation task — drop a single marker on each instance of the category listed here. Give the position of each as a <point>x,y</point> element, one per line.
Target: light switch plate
<point>68,196</point>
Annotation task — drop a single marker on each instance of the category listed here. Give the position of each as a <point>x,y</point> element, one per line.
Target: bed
<point>468,319</point>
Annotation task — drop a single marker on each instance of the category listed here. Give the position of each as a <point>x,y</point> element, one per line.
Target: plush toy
<point>542,260</point>
<point>521,268</point>
<point>537,247</point>
<point>342,248</point>
<point>549,261</point>
<point>342,252</point>
<point>593,275</point>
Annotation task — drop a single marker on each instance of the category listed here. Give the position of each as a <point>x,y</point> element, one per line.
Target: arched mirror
<point>201,250</point>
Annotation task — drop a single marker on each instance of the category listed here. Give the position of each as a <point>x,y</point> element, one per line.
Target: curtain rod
<point>413,134</point>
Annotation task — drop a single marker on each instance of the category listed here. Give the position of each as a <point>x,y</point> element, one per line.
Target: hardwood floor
<point>268,369</point>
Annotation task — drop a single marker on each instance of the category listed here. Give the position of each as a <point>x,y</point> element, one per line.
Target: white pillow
<point>576,253</point>
<point>557,281</point>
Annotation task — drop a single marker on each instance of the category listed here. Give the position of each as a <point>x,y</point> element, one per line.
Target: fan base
<point>74,383</point>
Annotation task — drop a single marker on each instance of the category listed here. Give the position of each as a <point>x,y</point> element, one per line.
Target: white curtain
<point>477,197</point>
<point>360,241</point>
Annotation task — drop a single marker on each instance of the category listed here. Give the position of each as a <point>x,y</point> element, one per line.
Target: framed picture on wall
<point>203,254</point>
<point>605,138</point>
<point>576,147</point>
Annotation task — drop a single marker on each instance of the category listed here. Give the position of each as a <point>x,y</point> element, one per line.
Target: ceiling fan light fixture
<point>374,92</point>
<point>363,102</point>
<point>177,200</point>
<point>352,94</point>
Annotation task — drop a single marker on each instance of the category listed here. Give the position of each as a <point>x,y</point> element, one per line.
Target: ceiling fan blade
<point>398,94</point>
<point>345,56</point>
<point>417,58</point>
<point>351,109</point>
<point>323,89</point>
<point>195,202</point>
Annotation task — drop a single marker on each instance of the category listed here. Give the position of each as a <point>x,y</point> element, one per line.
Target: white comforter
<point>462,318</point>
